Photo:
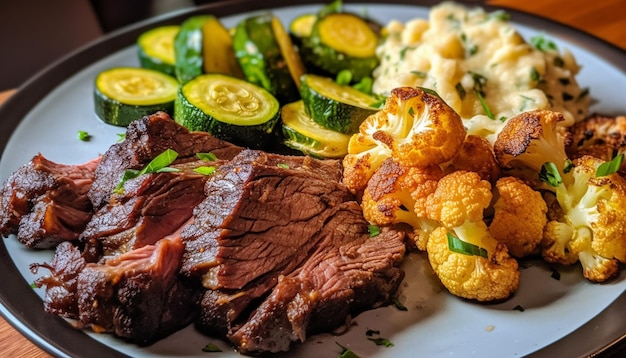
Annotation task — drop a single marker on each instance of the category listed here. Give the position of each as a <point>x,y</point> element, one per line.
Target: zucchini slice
<point>229,108</point>
<point>301,133</point>
<point>155,49</point>
<point>123,94</point>
<point>203,45</point>
<point>267,56</point>
<point>342,41</point>
<point>301,27</point>
<point>334,106</point>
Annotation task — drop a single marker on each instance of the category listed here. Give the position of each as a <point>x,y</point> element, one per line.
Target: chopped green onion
<point>534,75</point>
<point>568,166</point>
<point>543,44</point>
<point>411,111</point>
<point>335,6</point>
<point>207,157</point>
<point>381,342</point>
<point>211,348</point>
<point>380,102</point>
<point>84,136</point>
<point>374,230</point>
<point>158,164</point>
<point>610,167</point>
<point>420,74</point>
<point>550,174</point>
<point>346,352</point>
<point>459,246</point>
<point>555,275</point>
<point>121,137</point>
<point>430,91</point>
<point>484,104</point>
<point>205,170</point>
<point>500,15</point>
<point>519,308</point>
<point>282,165</point>
<point>33,285</point>
<point>399,305</point>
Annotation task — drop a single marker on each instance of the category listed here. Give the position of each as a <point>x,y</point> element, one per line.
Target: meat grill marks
<point>145,139</point>
<point>277,217</point>
<point>44,202</point>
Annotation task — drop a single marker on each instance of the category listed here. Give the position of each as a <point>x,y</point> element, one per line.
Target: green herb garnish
<point>371,332</point>
<point>484,104</point>
<point>399,305</point>
<point>381,342</point>
<point>610,167</point>
<point>84,136</point>
<point>550,174</point>
<point>211,348</point>
<point>346,352</point>
<point>555,275</point>
<point>364,85</point>
<point>543,44</point>
<point>374,230</point>
<point>158,164</point>
<point>207,157</point>
<point>121,137</point>
<point>282,165</point>
<point>460,90</point>
<point>459,246</point>
<point>519,308</point>
<point>204,170</point>
<point>500,15</point>
<point>430,91</point>
<point>420,74</point>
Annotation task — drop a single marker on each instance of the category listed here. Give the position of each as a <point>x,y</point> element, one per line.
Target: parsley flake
<point>211,348</point>
<point>84,136</point>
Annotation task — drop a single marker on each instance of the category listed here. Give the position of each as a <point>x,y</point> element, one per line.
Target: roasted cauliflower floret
<point>468,260</point>
<point>597,134</point>
<point>593,221</point>
<point>519,216</point>
<point>530,140</point>
<point>476,155</point>
<point>414,127</point>
<point>397,194</point>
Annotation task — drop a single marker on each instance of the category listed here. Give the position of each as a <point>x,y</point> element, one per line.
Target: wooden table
<point>600,18</point>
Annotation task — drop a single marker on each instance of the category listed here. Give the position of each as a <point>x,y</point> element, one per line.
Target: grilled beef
<point>264,252</point>
<point>145,139</point>
<point>45,203</point>
<point>263,221</point>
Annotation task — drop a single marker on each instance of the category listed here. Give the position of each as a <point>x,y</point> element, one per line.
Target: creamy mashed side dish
<point>481,66</point>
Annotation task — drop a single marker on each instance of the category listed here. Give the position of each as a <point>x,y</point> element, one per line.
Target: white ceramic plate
<point>45,115</point>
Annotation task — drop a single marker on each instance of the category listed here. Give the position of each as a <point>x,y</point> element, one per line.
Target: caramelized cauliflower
<point>468,260</point>
<point>593,221</point>
<point>519,216</point>
<point>528,141</point>
<point>476,155</point>
<point>415,128</point>
<point>398,194</point>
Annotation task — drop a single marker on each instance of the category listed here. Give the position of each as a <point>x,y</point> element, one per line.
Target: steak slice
<point>138,296</point>
<point>145,139</point>
<point>148,208</point>
<point>44,202</point>
<point>346,273</point>
<point>285,227</point>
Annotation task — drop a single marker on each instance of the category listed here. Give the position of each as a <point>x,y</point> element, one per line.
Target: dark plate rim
<point>54,335</point>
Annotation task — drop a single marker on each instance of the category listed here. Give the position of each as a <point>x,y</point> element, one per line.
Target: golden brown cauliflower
<point>415,127</point>
<point>519,217</point>
<point>468,260</point>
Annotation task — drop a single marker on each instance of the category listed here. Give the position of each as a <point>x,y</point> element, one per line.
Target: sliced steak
<point>272,225</point>
<point>145,139</point>
<point>46,202</point>
<point>148,208</point>
<point>347,273</point>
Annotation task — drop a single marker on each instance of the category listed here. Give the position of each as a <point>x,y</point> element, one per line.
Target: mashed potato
<point>481,66</point>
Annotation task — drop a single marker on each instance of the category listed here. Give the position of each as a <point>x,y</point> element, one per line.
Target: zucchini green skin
<point>300,132</point>
<point>155,49</point>
<point>319,55</point>
<point>197,113</point>
<point>119,114</point>
<point>260,57</point>
<point>188,49</point>
<point>147,91</point>
<point>334,106</point>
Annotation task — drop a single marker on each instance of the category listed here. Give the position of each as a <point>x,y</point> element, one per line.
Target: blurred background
<point>34,33</point>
